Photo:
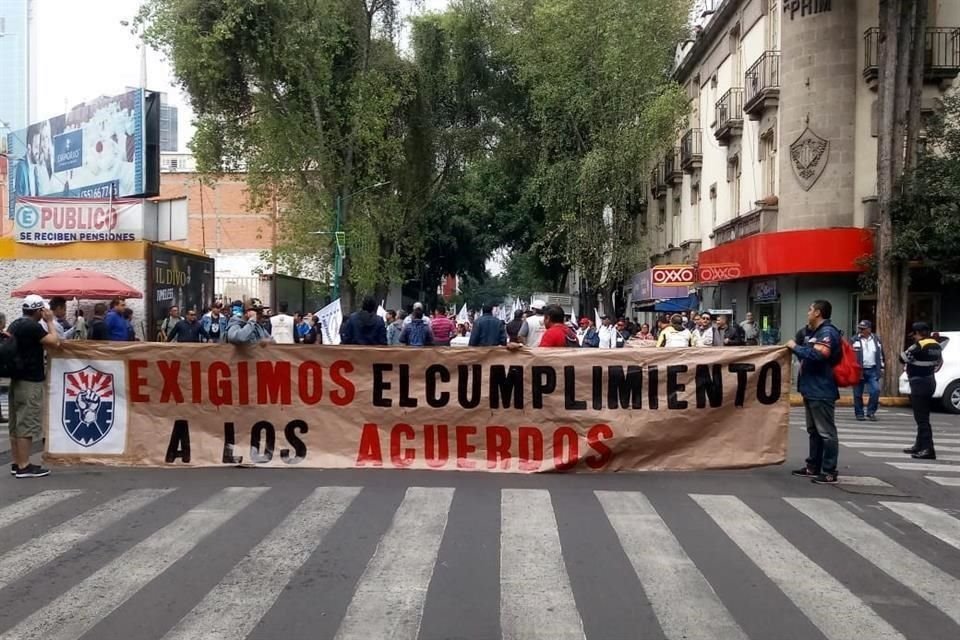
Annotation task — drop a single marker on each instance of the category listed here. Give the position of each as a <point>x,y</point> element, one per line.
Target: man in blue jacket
<point>364,327</point>
<point>818,348</point>
<point>488,331</point>
<point>117,328</point>
<point>870,356</point>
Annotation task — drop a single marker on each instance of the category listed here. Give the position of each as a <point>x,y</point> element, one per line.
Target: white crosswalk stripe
<point>36,503</point>
<point>895,454</point>
<point>934,521</point>
<point>79,609</point>
<point>802,580</point>
<point>685,603</point>
<point>944,481</point>
<point>894,445</point>
<point>944,467</point>
<point>927,581</point>
<point>389,598</point>
<point>44,548</point>
<point>255,583</point>
<point>538,599</point>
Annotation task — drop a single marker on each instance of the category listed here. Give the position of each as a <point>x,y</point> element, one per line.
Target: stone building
<point>770,193</point>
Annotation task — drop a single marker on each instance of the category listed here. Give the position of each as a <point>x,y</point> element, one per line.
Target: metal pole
<point>337,257</point>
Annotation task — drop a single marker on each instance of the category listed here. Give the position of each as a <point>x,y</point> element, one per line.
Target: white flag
<point>516,307</point>
<point>382,312</point>
<point>596,318</point>
<point>463,317</point>
<point>330,318</point>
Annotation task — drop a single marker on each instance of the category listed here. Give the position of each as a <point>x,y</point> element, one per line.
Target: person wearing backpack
<point>417,333</point>
<point>23,361</point>
<point>819,348</point>
<point>869,351</point>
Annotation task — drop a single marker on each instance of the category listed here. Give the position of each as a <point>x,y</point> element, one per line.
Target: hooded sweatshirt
<point>364,328</point>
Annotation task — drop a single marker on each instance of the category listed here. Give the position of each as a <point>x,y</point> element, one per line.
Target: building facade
<point>18,87</point>
<point>770,191</point>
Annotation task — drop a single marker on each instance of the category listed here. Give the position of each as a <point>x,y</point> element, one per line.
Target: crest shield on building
<point>809,154</point>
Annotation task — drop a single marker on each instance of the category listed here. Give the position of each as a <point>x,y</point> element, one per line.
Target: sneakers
<point>872,418</point>
<point>860,418</point>
<point>13,469</point>
<point>805,472</point>
<point>826,478</point>
<point>32,471</point>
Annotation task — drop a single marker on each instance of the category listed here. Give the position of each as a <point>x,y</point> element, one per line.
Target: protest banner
<point>494,410</point>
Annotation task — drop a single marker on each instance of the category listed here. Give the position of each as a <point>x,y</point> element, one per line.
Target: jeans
<point>870,380</point>
<point>921,398</point>
<point>822,429</point>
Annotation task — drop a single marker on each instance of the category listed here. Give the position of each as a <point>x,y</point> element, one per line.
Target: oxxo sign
<point>719,272</point>
<point>674,275</point>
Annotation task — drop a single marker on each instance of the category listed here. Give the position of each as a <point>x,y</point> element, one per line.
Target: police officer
<point>923,359</point>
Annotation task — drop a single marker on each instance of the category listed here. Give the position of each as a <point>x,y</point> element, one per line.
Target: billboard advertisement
<point>176,278</point>
<point>100,149</point>
<point>58,221</point>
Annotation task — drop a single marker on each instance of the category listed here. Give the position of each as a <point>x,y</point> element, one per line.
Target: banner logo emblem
<point>719,272</point>
<point>88,405</point>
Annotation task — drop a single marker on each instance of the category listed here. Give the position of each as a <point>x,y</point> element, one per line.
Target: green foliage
<point>478,292</point>
<point>522,125</point>
<point>926,212</point>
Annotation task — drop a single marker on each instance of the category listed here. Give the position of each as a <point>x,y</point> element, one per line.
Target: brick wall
<point>220,215</point>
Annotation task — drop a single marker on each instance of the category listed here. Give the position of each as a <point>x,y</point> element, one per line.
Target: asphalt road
<point>109,554</point>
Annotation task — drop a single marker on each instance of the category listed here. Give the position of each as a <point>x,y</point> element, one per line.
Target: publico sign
<point>61,221</point>
<point>674,275</point>
<point>170,405</point>
<point>718,272</point>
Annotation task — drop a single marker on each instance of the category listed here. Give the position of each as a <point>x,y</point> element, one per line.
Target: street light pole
<point>337,244</point>
<point>337,256</point>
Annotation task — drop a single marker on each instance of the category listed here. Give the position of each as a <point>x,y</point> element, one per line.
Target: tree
<point>307,97</point>
<point>902,37</point>
<point>604,106</point>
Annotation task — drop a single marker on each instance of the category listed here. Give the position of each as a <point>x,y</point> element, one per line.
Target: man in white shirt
<point>281,326</point>
<point>533,328</point>
<point>870,355</point>
<point>608,334</point>
<point>706,334</point>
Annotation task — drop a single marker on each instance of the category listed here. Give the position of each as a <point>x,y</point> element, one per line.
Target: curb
<point>796,400</point>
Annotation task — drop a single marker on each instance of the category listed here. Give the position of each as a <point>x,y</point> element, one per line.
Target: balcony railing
<point>941,56</point>
<point>658,180</point>
<point>762,84</point>
<point>691,150</point>
<point>729,115</point>
<point>671,167</point>
<point>763,219</point>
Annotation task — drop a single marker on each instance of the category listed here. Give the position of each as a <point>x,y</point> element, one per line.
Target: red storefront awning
<point>807,251</point>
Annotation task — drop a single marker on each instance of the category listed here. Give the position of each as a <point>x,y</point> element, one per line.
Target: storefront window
<point>767,315</point>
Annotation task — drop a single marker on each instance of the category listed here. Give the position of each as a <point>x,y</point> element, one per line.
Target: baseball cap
<point>921,327</point>
<point>33,302</point>
<point>865,324</point>
<point>584,321</point>
<point>538,304</point>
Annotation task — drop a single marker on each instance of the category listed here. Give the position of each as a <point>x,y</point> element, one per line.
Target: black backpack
<point>10,361</point>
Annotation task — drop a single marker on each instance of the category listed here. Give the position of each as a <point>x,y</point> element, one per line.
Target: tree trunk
<point>902,28</point>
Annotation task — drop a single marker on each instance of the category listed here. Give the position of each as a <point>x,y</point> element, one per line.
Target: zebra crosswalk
<point>846,570</point>
<point>894,431</point>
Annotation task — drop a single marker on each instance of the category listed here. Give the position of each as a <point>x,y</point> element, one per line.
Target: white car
<point>948,377</point>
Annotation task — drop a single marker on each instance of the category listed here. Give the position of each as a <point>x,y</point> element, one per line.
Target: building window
<point>713,205</point>
<point>733,178</point>
<point>768,160</point>
<point>773,25</point>
<point>676,222</point>
<point>661,215</point>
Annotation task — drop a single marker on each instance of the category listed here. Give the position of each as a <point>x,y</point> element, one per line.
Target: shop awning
<point>669,305</point>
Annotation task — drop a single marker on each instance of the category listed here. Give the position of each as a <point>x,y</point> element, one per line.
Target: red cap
<point>584,321</point>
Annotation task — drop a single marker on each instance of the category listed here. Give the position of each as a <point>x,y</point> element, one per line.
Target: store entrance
<point>767,316</point>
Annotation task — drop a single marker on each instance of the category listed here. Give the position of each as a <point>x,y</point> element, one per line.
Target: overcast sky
<point>83,52</point>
